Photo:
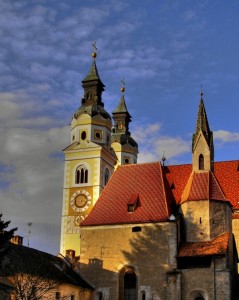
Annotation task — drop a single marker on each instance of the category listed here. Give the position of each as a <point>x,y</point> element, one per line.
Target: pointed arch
<point>201,162</point>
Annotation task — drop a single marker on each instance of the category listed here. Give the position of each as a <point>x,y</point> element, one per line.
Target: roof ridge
<point>140,164</point>
<point>219,187</point>
<point>165,181</point>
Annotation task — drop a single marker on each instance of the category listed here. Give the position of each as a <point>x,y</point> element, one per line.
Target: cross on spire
<point>123,86</point>
<point>94,53</point>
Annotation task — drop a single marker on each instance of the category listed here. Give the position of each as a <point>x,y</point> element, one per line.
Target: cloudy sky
<point>165,50</point>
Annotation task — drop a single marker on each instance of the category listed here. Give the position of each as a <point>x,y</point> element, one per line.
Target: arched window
<point>201,162</point>
<point>143,295</point>
<point>128,284</point>
<point>81,175</point>
<point>196,295</point>
<point>100,296</point>
<point>106,176</point>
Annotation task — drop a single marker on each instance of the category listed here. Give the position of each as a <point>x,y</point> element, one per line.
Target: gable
<point>226,174</point>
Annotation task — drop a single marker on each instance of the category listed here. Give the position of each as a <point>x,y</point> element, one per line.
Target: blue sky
<point>165,50</point>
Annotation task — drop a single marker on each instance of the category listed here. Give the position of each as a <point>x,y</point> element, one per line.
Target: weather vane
<point>201,91</point>
<point>123,86</point>
<point>94,53</point>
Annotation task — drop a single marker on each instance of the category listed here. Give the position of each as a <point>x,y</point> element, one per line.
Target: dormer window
<point>133,203</point>
<point>201,162</point>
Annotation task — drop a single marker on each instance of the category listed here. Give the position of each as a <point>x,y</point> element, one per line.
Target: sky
<point>165,50</point>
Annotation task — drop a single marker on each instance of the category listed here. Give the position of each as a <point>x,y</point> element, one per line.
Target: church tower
<point>123,144</point>
<point>206,211</point>
<point>89,159</point>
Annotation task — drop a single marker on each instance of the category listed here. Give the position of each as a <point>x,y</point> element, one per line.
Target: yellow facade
<point>87,153</point>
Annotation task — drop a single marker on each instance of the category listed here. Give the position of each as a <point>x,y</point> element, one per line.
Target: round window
<point>97,135</point>
<point>126,160</point>
<point>83,135</point>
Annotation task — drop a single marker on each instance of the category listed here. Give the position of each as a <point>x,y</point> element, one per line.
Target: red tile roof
<point>145,180</point>
<point>226,173</point>
<point>216,246</point>
<point>202,186</point>
<point>158,189</point>
<point>177,177</point>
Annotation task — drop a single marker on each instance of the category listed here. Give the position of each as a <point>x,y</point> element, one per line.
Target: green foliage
<point>5,235</point>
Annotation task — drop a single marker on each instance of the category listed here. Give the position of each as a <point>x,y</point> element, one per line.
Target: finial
<point>122,89</point>
<point>201,92</point>
<point>163,158</point>
<point>94,54</point>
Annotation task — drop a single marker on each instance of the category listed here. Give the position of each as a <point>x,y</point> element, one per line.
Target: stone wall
<point>149,249</point>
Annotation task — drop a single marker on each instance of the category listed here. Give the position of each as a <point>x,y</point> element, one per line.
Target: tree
<point>4,234</point>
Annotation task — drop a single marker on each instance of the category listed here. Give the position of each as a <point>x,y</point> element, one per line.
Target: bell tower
<point>123,144</point>
<point>89,159</point>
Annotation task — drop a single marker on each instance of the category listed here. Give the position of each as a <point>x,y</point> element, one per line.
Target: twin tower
<point>97,148</point>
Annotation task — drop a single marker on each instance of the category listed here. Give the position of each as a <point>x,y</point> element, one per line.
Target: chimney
<point>71,255</point>
<point>17,239</point>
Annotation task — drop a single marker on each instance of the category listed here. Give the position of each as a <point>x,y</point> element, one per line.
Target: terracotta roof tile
<point>159,189</point>
<point>226,173</point>
<point>202,186</point>
<point>177,177</point>
<point>144,180</point>
<point>216,246</point>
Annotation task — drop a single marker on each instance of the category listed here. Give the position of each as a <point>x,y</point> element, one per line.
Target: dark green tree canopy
<point>5,235</point>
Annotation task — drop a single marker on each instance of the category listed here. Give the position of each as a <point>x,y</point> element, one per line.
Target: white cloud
<point>226,136</point>
<point>153,144</point>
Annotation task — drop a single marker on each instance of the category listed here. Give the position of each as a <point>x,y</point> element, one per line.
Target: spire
<point>121,108</point>
<point>202,140</point>
<point>128,149</point>
<point>202,122</point>
<point>92,84</point>
<point>93,73</point>
<point>121,115</point>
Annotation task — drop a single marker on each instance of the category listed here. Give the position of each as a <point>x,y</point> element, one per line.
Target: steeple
<point>202,141</point>
<point>121,117</point>
<point>92,103</point>
<point>202,123</point>
<point>128,148</point>
<point>93,86</point>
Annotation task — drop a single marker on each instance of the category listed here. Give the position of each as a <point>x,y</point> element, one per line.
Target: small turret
<point>202,142</point>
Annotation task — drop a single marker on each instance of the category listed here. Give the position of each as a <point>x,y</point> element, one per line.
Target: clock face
<point>80,201</point>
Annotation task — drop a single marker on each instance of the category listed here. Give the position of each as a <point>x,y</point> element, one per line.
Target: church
<point>147,231</point>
